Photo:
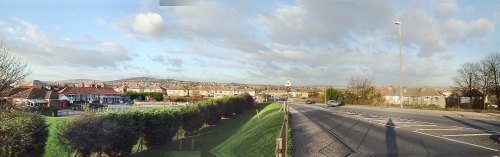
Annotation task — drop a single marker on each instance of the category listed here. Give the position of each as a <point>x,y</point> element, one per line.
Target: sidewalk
<point>475,115</point>
<point>311,140</point>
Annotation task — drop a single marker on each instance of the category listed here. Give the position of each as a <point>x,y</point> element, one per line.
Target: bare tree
<point>360,85</point>
<point>12,69</point>
<point>484,78</point>
<point>468,78</point>
<point>492,65</point>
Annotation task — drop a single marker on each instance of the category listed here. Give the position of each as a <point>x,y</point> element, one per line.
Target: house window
<point>77,97</point>
<point>71,97</point>
<point>427,99</point>
<point>415,99</point>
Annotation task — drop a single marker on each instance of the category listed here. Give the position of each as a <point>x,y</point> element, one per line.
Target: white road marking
<point>456,141</point>
<point>437,129</point>
<point>465,135</point>
<point>476,129</point>
<point>421,125</point>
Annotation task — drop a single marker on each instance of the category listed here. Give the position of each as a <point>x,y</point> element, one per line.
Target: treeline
<point>158,96</point>
<point>482,76</point>
<point>115,133</point>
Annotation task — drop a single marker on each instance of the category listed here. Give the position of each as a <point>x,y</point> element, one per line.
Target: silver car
<point>334,103</point>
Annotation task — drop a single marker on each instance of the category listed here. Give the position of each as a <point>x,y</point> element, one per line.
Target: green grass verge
<point>255,138</point>
<point>52,148</point>
<point>163,153</point>
<point>248,134</point>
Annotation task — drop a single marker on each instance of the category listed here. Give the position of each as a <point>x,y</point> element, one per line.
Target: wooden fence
<point>281,141</point>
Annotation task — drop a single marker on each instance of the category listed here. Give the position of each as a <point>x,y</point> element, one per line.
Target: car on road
<point>334,103</point>
<point>97,106</point>
<point>309,101</point>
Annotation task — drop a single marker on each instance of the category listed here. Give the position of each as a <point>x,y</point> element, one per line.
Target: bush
<point>160,126</point>
<point>22,134</point>
<point>129,135</point>
<point>89,133</point>
<point>193,117</point>
<point>214,108</point>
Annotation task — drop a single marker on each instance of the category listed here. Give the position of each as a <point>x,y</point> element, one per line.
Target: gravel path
<point>311,140</point>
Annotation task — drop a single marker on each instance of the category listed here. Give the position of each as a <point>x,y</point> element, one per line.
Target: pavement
<point>476,115</point>
<point>311,140</point>
<point>394,132</point>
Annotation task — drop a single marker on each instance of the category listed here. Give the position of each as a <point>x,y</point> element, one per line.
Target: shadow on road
<point>492,137</point>
<point>485,122</point>
<point>390,139</point>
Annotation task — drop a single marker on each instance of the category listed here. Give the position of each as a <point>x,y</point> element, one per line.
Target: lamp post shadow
<point>390,139</point>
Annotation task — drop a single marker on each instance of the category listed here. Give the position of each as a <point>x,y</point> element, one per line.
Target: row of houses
<point>181,91</point>
<point>43,97</point>
<point>419,95</point>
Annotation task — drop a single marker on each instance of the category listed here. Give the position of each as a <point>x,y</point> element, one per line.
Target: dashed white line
<point>421,125</point>
<point>465,135</point>
<point>456,141</point>
<point>437,129</point>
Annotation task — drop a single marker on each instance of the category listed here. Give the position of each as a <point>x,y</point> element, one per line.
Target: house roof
<point>36,93</point>
<point>155,86</point>
<point>473,93</point>
<point>136,86</point>
<point>87,90</point>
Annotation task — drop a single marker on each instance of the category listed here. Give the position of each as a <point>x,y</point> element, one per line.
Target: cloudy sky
<point>309,42</point>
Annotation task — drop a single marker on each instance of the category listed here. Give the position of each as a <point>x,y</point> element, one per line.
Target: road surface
<point>370,131</point>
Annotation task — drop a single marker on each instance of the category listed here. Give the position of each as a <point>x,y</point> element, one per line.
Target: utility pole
<point>400,64</point>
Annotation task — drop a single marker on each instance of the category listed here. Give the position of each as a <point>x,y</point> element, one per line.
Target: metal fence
<point>281,141</point>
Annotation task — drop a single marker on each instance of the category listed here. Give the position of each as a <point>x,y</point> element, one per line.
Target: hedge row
<point>22,134</point>
<point>158,96</point>
<point>115,133</point>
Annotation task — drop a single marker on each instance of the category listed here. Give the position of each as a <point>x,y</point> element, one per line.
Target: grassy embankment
<point>249,134</point>
<point>246,134</point>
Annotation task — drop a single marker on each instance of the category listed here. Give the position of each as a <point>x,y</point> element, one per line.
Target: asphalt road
<point>376,132</point>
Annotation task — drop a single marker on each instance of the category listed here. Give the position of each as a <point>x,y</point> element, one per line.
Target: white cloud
<point>291,40</point>
<point>100,21</point>
<point>149,24</point>
<point>10,30</point>
<point>33,33</point>
<point>42,50</point>
<point>444,9</point>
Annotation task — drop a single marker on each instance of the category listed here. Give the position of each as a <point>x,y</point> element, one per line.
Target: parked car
<point>309,101</point>
<point>97,106</point>
<point>334,103</point>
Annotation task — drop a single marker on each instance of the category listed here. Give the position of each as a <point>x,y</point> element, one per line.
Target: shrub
<point>22,134</point>
<point>160,126</point>
<point>194,116</point>
<point>214,109</point>
<point>129,135</point>
<point>89,133</point>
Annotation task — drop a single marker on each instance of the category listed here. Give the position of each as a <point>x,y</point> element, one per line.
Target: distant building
<point>33,96</point>
<point>177,91</point>
<point>135,88</point>
<point>92,95</point>
<point>416,96</point>
<point>36,83</point>
<point>156,88</point>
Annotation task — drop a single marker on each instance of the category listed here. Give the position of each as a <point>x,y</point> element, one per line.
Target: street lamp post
<point>400,65</point>
<point>324,94</point>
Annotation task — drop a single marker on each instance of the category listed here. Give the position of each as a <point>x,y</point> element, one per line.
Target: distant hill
<point>143,79</point>
<point>70,81</point>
